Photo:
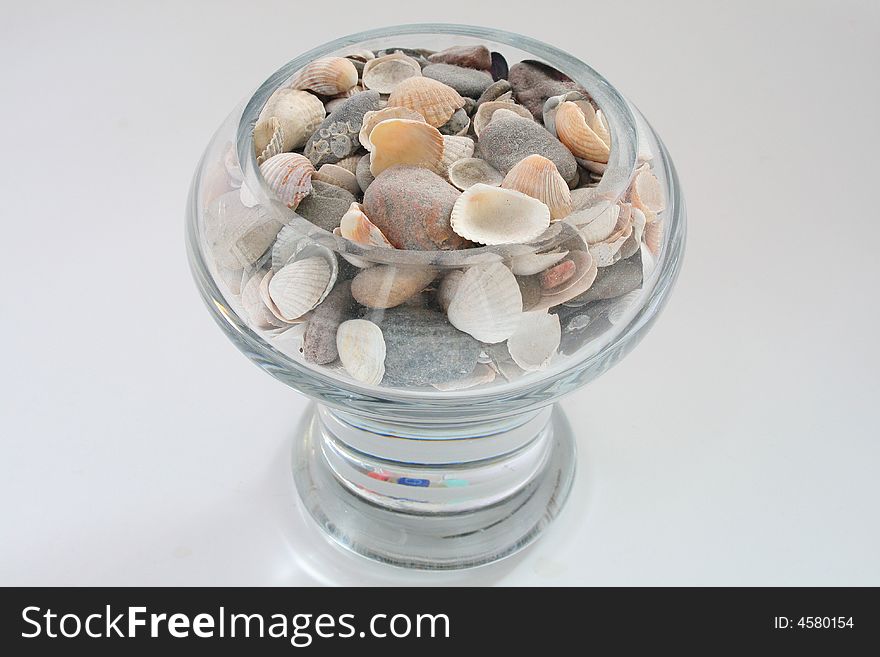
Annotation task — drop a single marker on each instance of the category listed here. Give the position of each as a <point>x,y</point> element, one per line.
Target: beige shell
<point>578,137</point>
<point>361,348</point>
<point>299,113</point>
<point>299,286</point>
<point>404,141</point>
<point>357,227</point>
<point>632,245</point>
<point>599,124</point>
<point>456,148</point>
<point>447,288</point>
<point>583,279</point>
<point>386,286</point>
<point>349,163</point>
<point>482,374</point>
<point>552,105</point>
<point>493,215</point>
<point>289,176</point>
<point>607,252</point>
<point>654,237</point>
<point>484,113</point>
<point>601,227</point>
<point>328,76</point>
<point>383,74</point>
<point>472,171</point>
<point>538,177</point>
<point>268,138</point>
<point>334,174</point>
<point>646,193</point>
<point>434,100</point>
<point>487,303</point>
<point>372,119</point>
<point>256,310</point>
<point>529,264</point>
<point>535,341</point>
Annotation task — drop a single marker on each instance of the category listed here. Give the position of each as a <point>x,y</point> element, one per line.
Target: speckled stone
<point>411,206</point>
<point>337,136</point>
<point>466,81</point>
<point>363,174</point>
<point>319,340</point>
<point>477,57</point>
<point>494,91</point>
<point>533,83</point>
<point>508,139</point>
<point>614,281</point>
<point>325,205</point>
<point>422,347</point>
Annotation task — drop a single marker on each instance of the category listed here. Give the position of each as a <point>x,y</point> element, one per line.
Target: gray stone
<point>319,340</point>
<point>363,174</point>
<point>620,278</point>
<point>534,82</point>
<point>494,92</point>
<point>458,123</point>
<point>477,57</point>
<point>325,205</point>
<point>337,136</point>
<point>466,81</point>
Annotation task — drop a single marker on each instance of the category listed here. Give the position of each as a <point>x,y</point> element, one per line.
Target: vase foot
<point>434,499</point>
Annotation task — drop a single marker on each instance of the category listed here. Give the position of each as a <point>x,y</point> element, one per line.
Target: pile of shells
<point>432,151</point>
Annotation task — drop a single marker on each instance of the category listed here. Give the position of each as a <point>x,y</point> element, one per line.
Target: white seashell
<point>289,242</point>
<point>577,285</point>
<point>535,341</point>
<point>372,119</point>
<point>403,141</point>
<point>434,100</point>
<point>529,264</point>
<point>299,286</point>
<point>654,237</point>
<point>538,177</point>
<point>456,148</point>
<point>632,245</point>
<point>471,171</point>
<point>328,76</point>
<point>607,252</point>
<point>484,113</point>
<point>361,348</point>
<point>256,311</point>
<point>492,215</point>
<point>552,105</point>
<point>299,114</point>
<point>646,193</point>
<point>573,131</point>
<point>357,227</point>
<point>601,227</point>
<point>482,374</point>
<point>448,286</point>
<point>334,174</point>
<point>582,262</point>
<point>289,176</point>
<point>383,74</point>
<point>487,303</point>
<point>270,133</point>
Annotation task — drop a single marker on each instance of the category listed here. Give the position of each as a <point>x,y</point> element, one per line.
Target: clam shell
<point>599,124</point>
<point>601,226</point>
<point>384,73</point>
<point>299,286</point>
<point>448,286</point>
<point>493,215</point>
<point>372,119</point>
<point>256,311</point>
<point>578,137</point>
<point>361,348</point>
<point>434,100</point>
<point>334,174</point>
<point>481,375</point>
<point>404,141</point>
<point>487,303</point>
<point>551,105</point>
<point>485,112</point>
<point>533,263</point>
<point>328,76</point>
<point>357,227</point>
<point>535,341</point>
<point>581,261</point>
<point>538,177</point>
<point>271,133</point>
<point>289,176</point>
<point>299,113</point>
<point>456,148</point>
<point>471,171</point>
<point>607,252</point>
<point>646,193</point>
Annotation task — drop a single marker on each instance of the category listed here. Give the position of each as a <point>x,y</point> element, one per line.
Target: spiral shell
<point>404,141</point>
<point>435,101</point>
<point>328,76</point>
<point>289,176</point>
<point>578,137</point>
<point>538,177</point>
<point>493,215</point>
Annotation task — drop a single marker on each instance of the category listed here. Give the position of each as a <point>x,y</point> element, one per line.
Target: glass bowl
<point>434,441</point>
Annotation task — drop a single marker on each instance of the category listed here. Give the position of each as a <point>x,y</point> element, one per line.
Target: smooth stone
<point>466,81</point>
<point>385,286</point>
<point>422,347</point>
<point>325,205</point>
<point>494,91</point>
<point>533,83</point>
<point>477,57</point>
<point>508,139</point>
<point>411,206</point>
<point>457,123</point>
<point>319,340</point>
<point>580,326</point>
<point>616,280</point>
<point>337,136</point>
<point>363,174</point>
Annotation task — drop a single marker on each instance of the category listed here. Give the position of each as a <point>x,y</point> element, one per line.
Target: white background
<point>737,445</point>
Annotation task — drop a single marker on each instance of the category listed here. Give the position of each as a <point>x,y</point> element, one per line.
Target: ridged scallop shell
<point>535,341</point>
<point>403,141</point>
<point>487,303</point>
<point>383,74</point>
<point>361,348</point>
<point>357,227</point>
<point>473,171</point>
<point>456,148</point>
<point>646,193</point>
<point>492,215</point>
<point>552,105</point>
<point>372,119</point>
<point>299,286</point>
<point>578,137</point>
<point>268,138</point>
<point>601,226</point>
<point>299,114</point>
<point>529,264</point>
<point>447,288</point>
<point>289,176</point>
<point>256,310</point>
<point>435,101</point>
<point>328,76</point>
<point>484,113</point>
<point>538,177</point>
<point>349,163</point>
<point>334,174</point>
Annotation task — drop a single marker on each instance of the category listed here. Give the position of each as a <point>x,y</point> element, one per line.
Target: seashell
<point>455,149</point>
<point>487,303</point>
<point>457,125</point>
<point>256,311</point>
<point>535,341</point>
<point>336,175</point>
<point>362,55</point>
<point>632,245</point>
<point>654,237</point>
<point>288,243</point>
<point>601,227</point>
<point>646,193</point>
<point>433,100</point>
<point>578,284</point>
<point>578,137</point>
<point>289,176</point>
<point>372,119</point>
<point>361,348</point>
<point>499,69</point>
<point>299,286</point>
<point>607,252</point>
<point>448,286</point>
<point>552,105</point>
<point>270,133</point>
<point>349,163</point>
<point>357,227</point>
<point>595,169</point>
<point>530,289</point>
<point>404,141</point>
<point>386,286</point>
<point>622,306</point>
<point>327,76</point>
<point>482,374</point>
<point>472,171</point>
<point>486,110</point>
<point>499,90</point>
<point>363,175</point>
<point>556,275</point>
<point>577,261</point>
<point>493,215</point>
<point>383,74</point>
<point>538,177</point>
<point>299,113</point>
<point>599,124</point>
<point>238,236</point>
<point>529,264</point>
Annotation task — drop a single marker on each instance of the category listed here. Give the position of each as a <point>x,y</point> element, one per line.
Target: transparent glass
<point>416,470</point>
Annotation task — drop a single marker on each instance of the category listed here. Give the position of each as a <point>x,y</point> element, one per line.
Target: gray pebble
<point>337,136</point>
<point>457,123</point>
<point>614,281</point>
<point>466,81</point>
<point>363,174</point>
<point>325,205</point>
<point>494,91</point>
<point>534,82</point>
<point>319,341</point>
